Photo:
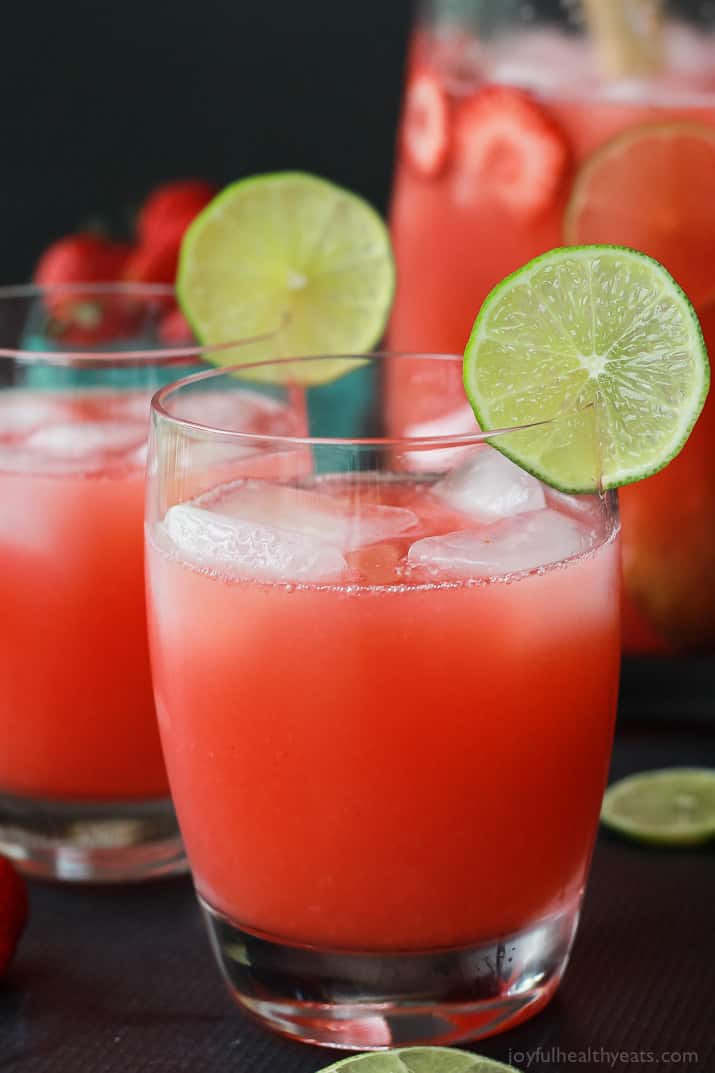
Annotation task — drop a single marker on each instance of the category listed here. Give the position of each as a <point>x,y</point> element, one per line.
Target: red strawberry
<point>81,259</point>
<point>94,323</point>
<point>174,329</point>
<point>426,134</point>
<point>507,146</point>
<point>153,263</point>
<point>13,912</point>
<point>169,210</point>
<point>79,319</point>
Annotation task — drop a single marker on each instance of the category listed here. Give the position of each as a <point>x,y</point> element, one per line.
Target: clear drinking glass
<point>385,672</point>
<point>83,788</point>
<point>557,122</point>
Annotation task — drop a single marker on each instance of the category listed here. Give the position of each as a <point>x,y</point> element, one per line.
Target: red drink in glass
<point>290,773</point>
<point>386,687</point>
<point>83,788</point>
<point>74,624</point>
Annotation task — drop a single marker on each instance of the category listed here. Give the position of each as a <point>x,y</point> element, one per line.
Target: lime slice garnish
<point>600,343</point>
<point>650,187</point>
<point>419,1060</point>
<point>295,259</point>
<point>672,807</point>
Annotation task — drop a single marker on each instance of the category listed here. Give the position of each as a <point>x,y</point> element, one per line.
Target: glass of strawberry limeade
<point>385,671</point>
<point>530,126</point>
<point>83,788</point>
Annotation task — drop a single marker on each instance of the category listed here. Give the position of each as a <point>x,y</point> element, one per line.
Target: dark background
<point>102,100</point>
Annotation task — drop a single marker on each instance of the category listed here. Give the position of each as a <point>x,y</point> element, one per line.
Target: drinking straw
<point>628,35</point>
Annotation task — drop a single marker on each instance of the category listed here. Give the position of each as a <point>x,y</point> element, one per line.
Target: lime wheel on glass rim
<point>599,352</point>
<point>651,187</point>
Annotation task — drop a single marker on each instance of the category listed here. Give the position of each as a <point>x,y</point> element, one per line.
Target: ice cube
<point>201,452</point>
<point>507,547</point>
<point>690,60</point>
<point>460,58</point>
<point>541,60</point>
<point>24,411</point>
<point>377,564</point>
<point>130,405</point>
<point>488,486</point>
<point>582,506</point>
<point>248,549</point>
<point>454,423</point>
<point>347,524</point>
<point>139,456</point>
<point>459,422</point>
<point>80,440</point>
<point>234,411</point>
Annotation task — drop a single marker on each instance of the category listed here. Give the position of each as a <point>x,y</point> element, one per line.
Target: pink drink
<point>77,720</point>
<point>79,717</point>
<point>499,162</point>
<point>386,710</point>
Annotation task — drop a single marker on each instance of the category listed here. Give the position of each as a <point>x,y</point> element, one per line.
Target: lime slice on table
<point>601,345</point>
<point>293,258</point>
<point>672,807</point>
<point>419,1060</point>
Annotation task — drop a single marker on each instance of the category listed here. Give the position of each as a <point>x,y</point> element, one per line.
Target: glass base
<point>85,842</point>
<point>375,1000</point>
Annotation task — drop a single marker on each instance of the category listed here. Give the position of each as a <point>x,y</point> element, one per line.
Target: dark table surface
<point>122,979</point>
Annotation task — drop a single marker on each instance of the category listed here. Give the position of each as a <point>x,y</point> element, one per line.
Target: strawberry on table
<point>169,210</point>
<point>426,133</point>
<point>13,912</point>
<point>507,146</point>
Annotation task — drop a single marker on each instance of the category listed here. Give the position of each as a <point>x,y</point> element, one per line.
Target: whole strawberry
<point>80,318</point>
<point>169,210</point>
<point>508,148</point>
<point>174,329</point>
<point>81,258</point>
<point>13,912</point>
<point>152,262</point>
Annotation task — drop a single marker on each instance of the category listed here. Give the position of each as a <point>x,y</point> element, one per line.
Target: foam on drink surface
<point>551,63</point>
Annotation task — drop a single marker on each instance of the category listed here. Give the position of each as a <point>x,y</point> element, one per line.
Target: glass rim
<point>408,443</point>
<point>164,354</point>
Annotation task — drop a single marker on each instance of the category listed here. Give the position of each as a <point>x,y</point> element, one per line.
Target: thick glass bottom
<point>368,1001</point>
<point>82,841</point>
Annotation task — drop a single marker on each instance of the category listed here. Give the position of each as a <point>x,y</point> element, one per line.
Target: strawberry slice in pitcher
<point>506,146</point>
<point>426,133</point>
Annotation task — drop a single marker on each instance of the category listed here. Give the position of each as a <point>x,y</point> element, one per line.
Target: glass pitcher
<point>532,125</point>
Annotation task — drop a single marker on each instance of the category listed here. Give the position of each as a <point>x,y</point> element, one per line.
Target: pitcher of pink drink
<point>529,126</point>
